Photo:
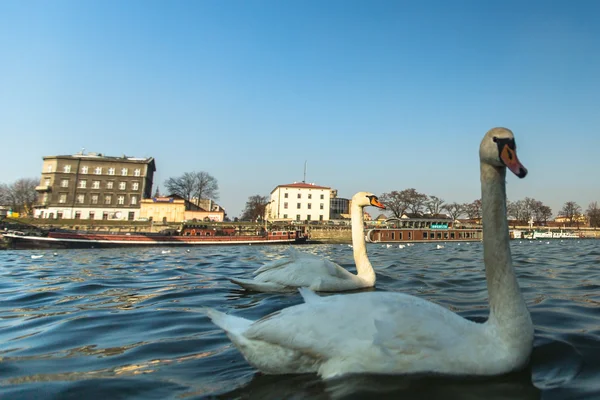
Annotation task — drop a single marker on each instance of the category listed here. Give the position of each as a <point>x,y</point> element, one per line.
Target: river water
<point>126,323</point>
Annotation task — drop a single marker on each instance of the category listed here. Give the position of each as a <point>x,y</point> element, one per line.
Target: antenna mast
<point>304,180</point>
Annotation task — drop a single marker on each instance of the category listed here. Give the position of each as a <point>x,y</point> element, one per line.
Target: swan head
<point>364,199</point>
<point>498,148</point>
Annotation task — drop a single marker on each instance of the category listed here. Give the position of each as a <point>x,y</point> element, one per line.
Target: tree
<point>593,214</point>
<point>473,210</point>
<point>415,200</point>
<point>455,210</point>
<point>255,208</point>
<point>571,211</point>
<point>435,205</point>
<point>20,195</point>
<point>395,202</point>
<point>541,212</point>
<point>194,185</point>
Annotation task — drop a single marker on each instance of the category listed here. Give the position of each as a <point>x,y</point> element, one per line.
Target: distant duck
<point>36,256</point>
<point>165,251</point>
<point>55,254</point>
<point>439,246</point>
<point>187,251</point>
<point>302,269</point>
<point>410,244</point>
<point>388,245</point>
<point>401,246</point>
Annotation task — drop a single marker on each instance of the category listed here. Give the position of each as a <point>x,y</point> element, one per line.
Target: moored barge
<point>418,230</point>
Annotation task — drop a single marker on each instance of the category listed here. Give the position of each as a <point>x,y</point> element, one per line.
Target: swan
<point>317,273</point>
<point>394,333</point>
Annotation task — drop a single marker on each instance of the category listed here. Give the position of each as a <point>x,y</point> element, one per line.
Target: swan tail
<point>308,295</point>
<point>255,286</point>
<point>235,326</point>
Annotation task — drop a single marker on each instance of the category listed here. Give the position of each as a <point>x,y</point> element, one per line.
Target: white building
<point>299,201</point>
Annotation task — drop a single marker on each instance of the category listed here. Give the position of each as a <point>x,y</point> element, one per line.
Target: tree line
<point>21,196</point>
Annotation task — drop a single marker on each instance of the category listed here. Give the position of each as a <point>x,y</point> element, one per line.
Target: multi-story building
<point>93,186</point>
<point>299,201</point>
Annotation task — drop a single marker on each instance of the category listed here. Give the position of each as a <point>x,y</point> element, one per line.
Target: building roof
<point>301,185</point>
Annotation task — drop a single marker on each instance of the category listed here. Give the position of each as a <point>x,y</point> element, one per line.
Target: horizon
<point>372,96</point>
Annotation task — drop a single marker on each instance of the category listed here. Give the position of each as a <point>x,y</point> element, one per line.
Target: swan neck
<point>364,268</point>
<point>507,306</point>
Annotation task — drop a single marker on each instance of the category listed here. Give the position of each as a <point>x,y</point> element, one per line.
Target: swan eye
<point>495,139</point>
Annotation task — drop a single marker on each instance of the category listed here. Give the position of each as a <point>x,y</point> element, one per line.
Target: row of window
<point>96,184</point>
<point>308,217</point>
<point>95,199</point>
<point>91,215</point>
<point>98,170</point>
<point>309,206</point>
<point>285,195</point>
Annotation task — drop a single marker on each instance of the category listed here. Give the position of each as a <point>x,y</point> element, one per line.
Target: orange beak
<point>377,203</point>
<point>510,159</point>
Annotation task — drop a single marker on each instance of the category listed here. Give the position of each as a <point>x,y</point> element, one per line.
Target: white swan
<point>394,333</point>
<point>301,269</point>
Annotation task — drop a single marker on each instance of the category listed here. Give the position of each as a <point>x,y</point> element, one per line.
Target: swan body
<point>394,333</point>
<point>302,269</point>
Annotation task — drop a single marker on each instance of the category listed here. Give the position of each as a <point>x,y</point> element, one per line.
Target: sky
<point>372,95</point>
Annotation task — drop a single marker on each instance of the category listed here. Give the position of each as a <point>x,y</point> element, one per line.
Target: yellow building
<point>163,209</point>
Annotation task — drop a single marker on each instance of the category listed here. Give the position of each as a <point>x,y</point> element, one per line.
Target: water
<point>126,323</point>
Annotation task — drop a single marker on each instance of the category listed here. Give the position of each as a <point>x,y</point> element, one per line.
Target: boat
<point>188,235</point>
<point>548,234</point>
<point>422,229</point>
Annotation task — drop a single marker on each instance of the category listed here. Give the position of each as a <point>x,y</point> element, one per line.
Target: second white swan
<point>301,269</point>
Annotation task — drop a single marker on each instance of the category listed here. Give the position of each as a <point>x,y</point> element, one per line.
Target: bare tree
<point>572,211</point>
<point>194,185</point>
<point>455,210</point>
<point>593,214</point>
<point>473,210</point>
<point>20,195</point>
<point>415,200</point>
<point>395,202</point>
<point>435,205</point>
<point>541,212</point>
<point>255,208</point>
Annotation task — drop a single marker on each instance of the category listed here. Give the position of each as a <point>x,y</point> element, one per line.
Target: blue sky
<point>374,95</point>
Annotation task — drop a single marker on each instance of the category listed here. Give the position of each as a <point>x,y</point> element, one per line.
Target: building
<point>339,208</point>
<point>94,186</point>
<point>174,208</point>
<point>299,201</point>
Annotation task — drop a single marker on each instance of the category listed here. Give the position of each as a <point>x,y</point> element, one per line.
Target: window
<point>98,171</point>
<point>82,184</point>
<point>133,200</point>
<point>285,195</point>
<point>309,196</point>
<point>299,196</point>
<point>131,215</point>
<point>285,205</point>
<point>137,172</point>
<point>77,214</point>
<point>322,196</point>
<point>80,198</point>
<point>124,171</point>
<point>96,185</point>
<point>64,183</point>
<point>284,215</point>
<point>67,169</point>
<point>84,169</point>
<point>135,186</point>
<point>121,200</point>
<point>321,206</point>
<point>297,217</point>
<point>94,199</point>
<point>109,185</point>
<point>122,185</point>
<point>298,205</point>
<point>321,217</point>
<point>107,199</point>
<point>111,171</point>
<point>91,215</point>
<point>308,217</point>
<point>48,168</point>
<point>105,215</point>
<point>309,206</point>
<point>47,181</point>
<point>62,198</point>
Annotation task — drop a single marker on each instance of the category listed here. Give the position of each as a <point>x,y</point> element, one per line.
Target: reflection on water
<point>125,323</point>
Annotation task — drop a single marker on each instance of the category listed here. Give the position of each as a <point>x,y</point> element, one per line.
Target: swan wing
<point>365,332</point>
